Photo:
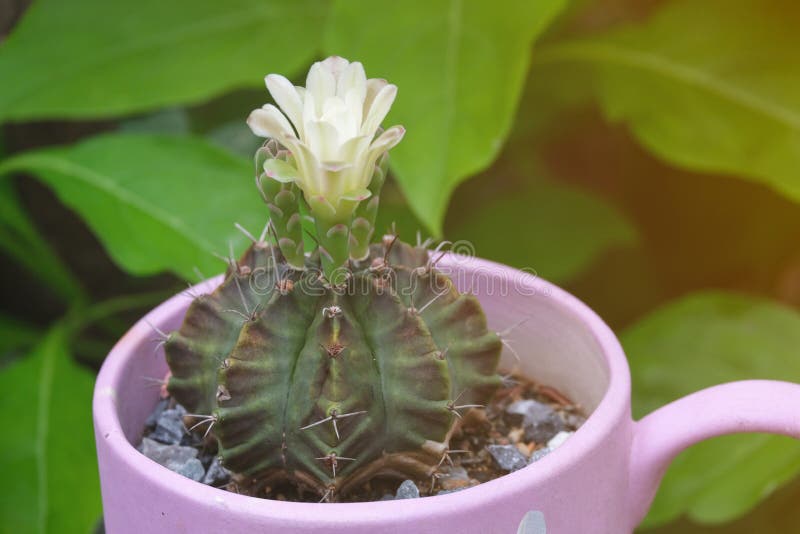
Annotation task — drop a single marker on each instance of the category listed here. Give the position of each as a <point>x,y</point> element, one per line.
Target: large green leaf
<point>15,335</point>
<point>710,85</point>
<point>48,453</point>
<point>20,239</point>
<point>94,58</point>
<point>554,229</point>
<point>702,340</point>
<point>459,67</point>
<point>157,203</point>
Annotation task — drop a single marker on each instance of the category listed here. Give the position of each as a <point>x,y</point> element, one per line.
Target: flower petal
<point>280,171</point>
<point>285,95</point>
<point>354,78</point>
<point>374,86</point>
<point>321,84</point>
<point>388,139</point>
<point>379,108</point>
<point>269,122</point>
<point>335,65</point>
<point>357,195</point>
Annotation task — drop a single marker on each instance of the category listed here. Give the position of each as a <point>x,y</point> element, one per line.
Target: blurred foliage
<point>92,58</point>
<point>459,93</point>
<point>123,187</point>
<point>599,138</point>
<point>49,457</point>
<point>696,342</point>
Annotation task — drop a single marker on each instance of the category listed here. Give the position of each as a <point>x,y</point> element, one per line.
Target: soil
<point>478,429</point>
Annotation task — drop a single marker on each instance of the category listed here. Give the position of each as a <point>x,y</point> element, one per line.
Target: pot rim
<point>612,409</point>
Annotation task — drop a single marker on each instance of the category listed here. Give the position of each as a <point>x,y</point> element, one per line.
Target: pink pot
<point>602,480</point>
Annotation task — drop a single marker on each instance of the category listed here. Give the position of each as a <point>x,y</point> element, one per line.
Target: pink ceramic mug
<point>601,481</point>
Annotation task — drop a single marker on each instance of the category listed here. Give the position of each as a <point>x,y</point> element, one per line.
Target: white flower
<point>334,121</point>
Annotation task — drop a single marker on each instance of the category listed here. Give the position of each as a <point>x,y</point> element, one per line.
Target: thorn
<point>431,302</point>
<point>200,276</point>
<point>228,261</point>
<point>389,245</point>
<point>245,232</point>
<point>189,292</point>
<point>446,456</point>
<point>160,382</point>
<point>514,326</point>
<point>333,417</point>
<point>241,295</point>
<point>326,497</point>
<point>434,477</point>
<point>453,408</point>
<point>334,461</point>
<point>263,235</point>
<point>325,252</point>
<point>508,381</point>
<point>510,348</point>
<point>204,419</point>
<point>159,345</point>
<point>329,312</point>
<point>162,335</point>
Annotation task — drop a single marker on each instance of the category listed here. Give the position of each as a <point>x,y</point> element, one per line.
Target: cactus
<point>327,369</point>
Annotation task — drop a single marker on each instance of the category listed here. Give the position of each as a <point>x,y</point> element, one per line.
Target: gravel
<point>407,490</point>
<point>192,469</point>
<point>507,457</point>
<point>558,440</point>
<point>167,455</point>
<point>169,428</point>
<point>539,420</point>
<point>538,455</point>
<point>216,474</point>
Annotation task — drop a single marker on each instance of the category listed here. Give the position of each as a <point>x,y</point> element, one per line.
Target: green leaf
<point>48,453</point>
<point>20,239</point>
<point>14,336</point>
<point>719,97</point>
<point>696,342</point>
<point>156,203</point>
<point>94,58</point>
<point>459,66</point>
<point>554,229</point>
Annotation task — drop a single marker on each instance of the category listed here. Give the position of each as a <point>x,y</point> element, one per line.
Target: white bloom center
<point>332,133</point>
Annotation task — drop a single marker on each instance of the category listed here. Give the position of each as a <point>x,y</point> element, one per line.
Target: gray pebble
<point>539,420</point>
<point>507,457</point>
<point>192,469</point>
<point>558,440</point>
<point>538,455</point>
<point>152,419</point>
<point>573,420</point>
<point>164,454</point>
<point>169,428</point>
<point>407,490</point>
<point>216,474</point>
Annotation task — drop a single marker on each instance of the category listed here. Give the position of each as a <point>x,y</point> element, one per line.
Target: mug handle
<point>749,406</point>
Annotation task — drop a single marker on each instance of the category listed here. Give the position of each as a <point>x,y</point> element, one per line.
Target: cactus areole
<point>353,360</point>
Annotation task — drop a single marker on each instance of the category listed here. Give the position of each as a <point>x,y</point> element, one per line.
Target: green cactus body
<point>303,379</point>
<point>355,361</point>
